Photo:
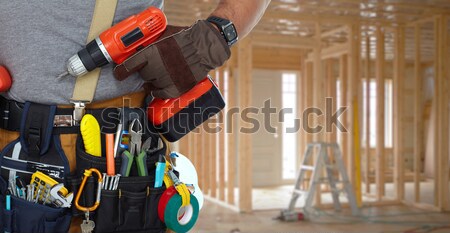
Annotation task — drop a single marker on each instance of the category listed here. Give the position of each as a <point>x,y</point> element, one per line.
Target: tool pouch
<point>36,149</point>
<point>133,207</point>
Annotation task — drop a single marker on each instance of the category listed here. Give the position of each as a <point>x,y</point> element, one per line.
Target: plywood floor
<point>270,198</point>
<point>389,219</point>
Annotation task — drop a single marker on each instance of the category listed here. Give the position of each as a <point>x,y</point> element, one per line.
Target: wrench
<point>60,200</point>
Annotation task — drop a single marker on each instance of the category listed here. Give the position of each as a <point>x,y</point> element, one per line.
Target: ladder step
<point>332,167</point>
<point>301,192</point>
<point>310,168</point>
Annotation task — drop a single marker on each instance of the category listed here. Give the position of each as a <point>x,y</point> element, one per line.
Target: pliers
<point>135,149</point>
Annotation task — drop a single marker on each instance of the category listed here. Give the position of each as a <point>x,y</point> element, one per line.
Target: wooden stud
<point>245,140</point>
<point>309,93</point>
<point>231,135</point>
<point>354,161</point>
<point>441,96</point>
<point>368,118</point>
<point>331,83</point>
<point>319,85</point>
<point>435,120</point>
<point>301,106</point>
<point>399,76</point>
<point>380,132</point>
<point>221,140</point>
<point>343,75</point>
<point>212,141</point>
<point>206,160</point>
<point>418,114</point>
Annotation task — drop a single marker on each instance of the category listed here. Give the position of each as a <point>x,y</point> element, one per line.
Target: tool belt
<point>132,207</point>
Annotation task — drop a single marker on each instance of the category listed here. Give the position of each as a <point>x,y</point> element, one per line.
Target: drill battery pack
<point>174,118</point>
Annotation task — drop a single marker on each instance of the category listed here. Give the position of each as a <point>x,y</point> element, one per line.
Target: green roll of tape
<point>181,219</point>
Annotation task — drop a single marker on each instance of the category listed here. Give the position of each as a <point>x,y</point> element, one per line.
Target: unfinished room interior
<point>343,104</point>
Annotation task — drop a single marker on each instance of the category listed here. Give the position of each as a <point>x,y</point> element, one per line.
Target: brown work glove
<point>178,61</point>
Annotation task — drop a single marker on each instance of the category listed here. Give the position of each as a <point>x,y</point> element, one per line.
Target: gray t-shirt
<point>38,37</point>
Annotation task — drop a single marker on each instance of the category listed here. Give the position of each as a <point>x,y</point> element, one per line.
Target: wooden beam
<point>231,135</point>
<point>418,114</point>
<point>354,145</point>
<point>309,95</point>
<point>245,140</point>
<point>436,122</point>
<point>343,76</point>
<point>212,145</point>
<point>331,92</point>
<point>368,118</point>
<point>399,76</point>
<point>319,85</point>
<point>277,58</point>
<point>206,151</point>
<point>441,96</point>
<point>351,93</point>
<point>334,31</point>
<point>380,132</point>
<point>301,106</point>
<point>283,41</point>
<point>333,51</point>
<point>221,139</point>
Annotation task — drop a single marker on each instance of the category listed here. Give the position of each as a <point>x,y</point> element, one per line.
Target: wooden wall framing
<point>330,65</point>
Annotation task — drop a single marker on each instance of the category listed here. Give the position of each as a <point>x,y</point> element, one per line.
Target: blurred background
<point>383,63</point>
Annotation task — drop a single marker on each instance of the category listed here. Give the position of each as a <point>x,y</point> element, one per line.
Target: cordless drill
<point>119,42</point>
<point>173,118</point>
<point>5,79</point>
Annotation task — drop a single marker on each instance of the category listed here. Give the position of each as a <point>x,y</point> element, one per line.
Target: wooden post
<point>206,151</point>
<point>380,161</point>
<point>368,118</point>
<point>343,75</point>
<point>231,135</point>
<point>221,140</point>
<point>318,100</point>
<point>441,127</point>
<point>418,115</point>
<point>301,106</point>
<point>354,161</point>
<point>245,140</point>
<point>399,76</point>
<point>331,82</point>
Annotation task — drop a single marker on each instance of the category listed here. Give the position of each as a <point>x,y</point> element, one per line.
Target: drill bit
<point>62,75</point>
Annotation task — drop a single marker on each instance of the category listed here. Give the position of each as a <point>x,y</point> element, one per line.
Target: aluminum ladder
<point>322,160</point>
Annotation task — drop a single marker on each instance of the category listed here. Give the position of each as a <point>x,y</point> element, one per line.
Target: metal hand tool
<point>59,199</point>
<point>134,148</point>
<point>141,159</point>
<point>136,137</point>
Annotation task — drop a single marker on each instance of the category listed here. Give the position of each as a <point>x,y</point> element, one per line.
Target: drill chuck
<point>89,58</point>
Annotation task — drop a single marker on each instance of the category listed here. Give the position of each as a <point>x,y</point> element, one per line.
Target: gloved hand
<point>178,61</point>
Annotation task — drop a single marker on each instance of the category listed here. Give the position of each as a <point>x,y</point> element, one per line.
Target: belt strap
<point>101,20</point>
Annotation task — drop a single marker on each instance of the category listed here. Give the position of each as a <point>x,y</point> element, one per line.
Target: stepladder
<point>324,164</point>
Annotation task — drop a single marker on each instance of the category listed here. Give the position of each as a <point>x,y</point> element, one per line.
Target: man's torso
<point>38,37</point>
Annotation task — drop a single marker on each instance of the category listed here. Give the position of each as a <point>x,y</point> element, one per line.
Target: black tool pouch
<point>37,149</point>
<point>133,207</point>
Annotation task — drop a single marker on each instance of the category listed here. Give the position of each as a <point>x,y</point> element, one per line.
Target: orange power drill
<point>5,79</point>
<point>119,42</point>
